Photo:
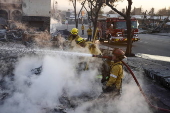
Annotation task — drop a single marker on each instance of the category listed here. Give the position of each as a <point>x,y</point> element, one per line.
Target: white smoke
<point>30,93</point>
<point>35,93</point>
<point>54,24</point>
<point>130,101</point>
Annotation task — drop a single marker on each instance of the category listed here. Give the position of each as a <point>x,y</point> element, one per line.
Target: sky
<point>145,4</point>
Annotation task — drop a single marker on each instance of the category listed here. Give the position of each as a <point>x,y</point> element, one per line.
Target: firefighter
<point>82,28</point>
<point>114,82</point>
<point>74,34</point>
<point>89,33</point>
<point>72,37</point>
<point>92,48</point>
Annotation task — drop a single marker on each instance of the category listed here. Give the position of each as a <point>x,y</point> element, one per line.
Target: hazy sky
<point>145,4</point>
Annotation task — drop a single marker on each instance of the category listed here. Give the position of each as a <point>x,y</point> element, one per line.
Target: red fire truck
<point>114,29</point>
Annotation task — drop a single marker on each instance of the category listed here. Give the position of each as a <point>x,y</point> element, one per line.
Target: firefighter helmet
<point>74,31</point>
<point>80,40</point>
<point>119,53</point>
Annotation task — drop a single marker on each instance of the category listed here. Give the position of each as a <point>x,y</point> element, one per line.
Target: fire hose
<point>134,77</point>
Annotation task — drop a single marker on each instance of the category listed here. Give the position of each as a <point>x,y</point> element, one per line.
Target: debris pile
<point>33,37</point>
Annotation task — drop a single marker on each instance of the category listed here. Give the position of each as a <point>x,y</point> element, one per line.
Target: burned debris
<point>154,24</point>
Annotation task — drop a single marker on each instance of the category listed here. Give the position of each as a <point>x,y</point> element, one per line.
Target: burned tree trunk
<point>74,5</point>
<point>129,38</point>
<point>129,30</point>
<point>95,22</point>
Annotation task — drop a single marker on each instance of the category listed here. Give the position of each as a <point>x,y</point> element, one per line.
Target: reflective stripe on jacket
<point>116,75</point>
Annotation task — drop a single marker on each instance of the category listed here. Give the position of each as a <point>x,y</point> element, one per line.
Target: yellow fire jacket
<point>82,27</point>
<point>72,37</point>
<point>93,49</point>
<point>116,75</point>
<point>89,31</point>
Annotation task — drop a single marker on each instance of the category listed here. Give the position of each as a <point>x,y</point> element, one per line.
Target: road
<point>148,44</point>
<point>152,44</point>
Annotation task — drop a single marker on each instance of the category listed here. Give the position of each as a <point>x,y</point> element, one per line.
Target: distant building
<point>11,9</point>
<point>113,15</point>
<point>36,13</point>
<point>137,11</point>
<point>68,13</point>
<point>39,14</point>
<point>82,18</point>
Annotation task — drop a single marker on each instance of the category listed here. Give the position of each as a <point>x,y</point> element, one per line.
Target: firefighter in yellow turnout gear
<point>73,37</point>
<point>89,33</point>
<point>88,47</point>
<point>116,72</point>
<point>82,28</point>
<point>92,48</point>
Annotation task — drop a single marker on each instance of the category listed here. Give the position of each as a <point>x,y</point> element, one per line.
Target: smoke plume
<point>35,93</point>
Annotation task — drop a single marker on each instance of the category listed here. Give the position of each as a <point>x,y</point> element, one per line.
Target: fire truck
<point>115,30</point>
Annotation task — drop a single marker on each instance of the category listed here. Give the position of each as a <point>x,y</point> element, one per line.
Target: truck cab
<point>116,30</point>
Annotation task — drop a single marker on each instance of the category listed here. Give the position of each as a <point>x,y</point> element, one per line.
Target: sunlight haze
<point>145,4</point>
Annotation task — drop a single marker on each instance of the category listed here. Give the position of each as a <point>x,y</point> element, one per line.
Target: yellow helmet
<point>74,31</point>
<point>80,40</point>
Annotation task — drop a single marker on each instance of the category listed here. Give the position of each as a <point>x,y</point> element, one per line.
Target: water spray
<point>44,52</point>
<point>51,52</point>
<point>101,56</point>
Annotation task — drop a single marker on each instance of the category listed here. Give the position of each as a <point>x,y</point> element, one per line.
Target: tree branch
<point>129,7</point>
<point>73,4</point>
<point>120,13</point>
<point>91,10</point>
<point>81,7</point>
<point>85,9</point>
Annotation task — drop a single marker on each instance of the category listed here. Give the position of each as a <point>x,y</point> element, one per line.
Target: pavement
<point>159,71</point>
<point>156,79</point>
